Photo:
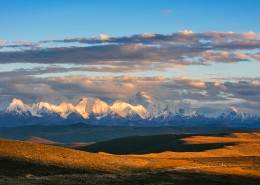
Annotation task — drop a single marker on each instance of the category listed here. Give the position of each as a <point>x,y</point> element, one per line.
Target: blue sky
<point>57,19</point>
<point>204,52</point>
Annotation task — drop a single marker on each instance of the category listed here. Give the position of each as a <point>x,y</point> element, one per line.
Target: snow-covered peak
<point>233,114</point>
<point>222,112</point>
<point>64,109</point>
<point>120,105</point>
<point>41,109</point>
<point>41,105</point>
<point>121,108</point>
<point>229,114</point>
<point>124,109</point>
<point>143,107</point>
<point>141,111</point>
<point>66,106</point>
<point>192,114</point>
<point>229,111</point>
<point>86,106</point>
<point>17,106</point>
<point>154,107</point>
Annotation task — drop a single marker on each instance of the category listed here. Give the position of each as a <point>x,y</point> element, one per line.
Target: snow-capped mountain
<point>140,110</point>
<point>88,106</point>
<point>232,115</point>
<point>125,109</point>
<point>17,107</point>
<point>45,109</point>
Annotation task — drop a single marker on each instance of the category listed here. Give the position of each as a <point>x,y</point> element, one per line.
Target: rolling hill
<point>32,163</point>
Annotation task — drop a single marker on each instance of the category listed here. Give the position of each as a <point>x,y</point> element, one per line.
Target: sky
<point>204,53</point>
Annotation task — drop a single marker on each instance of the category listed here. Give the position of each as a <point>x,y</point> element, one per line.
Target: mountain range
<point>139,110</point>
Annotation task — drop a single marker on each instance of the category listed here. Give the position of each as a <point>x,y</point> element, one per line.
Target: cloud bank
<point>117,67</point>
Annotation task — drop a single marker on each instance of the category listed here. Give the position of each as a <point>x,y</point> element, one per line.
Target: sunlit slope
<point>242,158</point>
<point>63,157</point>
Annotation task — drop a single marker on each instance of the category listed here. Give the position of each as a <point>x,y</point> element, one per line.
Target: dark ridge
<point>81,132</point>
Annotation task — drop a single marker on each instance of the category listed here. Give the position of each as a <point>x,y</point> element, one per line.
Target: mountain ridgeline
<point>140,110</point>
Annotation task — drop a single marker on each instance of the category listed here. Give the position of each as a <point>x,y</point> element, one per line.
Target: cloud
<point>162,51</point>
<point>256,56</point>
<point>186,32</point>
<point>147,35</point>
<point>24,42</point>
<point>190,82</point>
<point>113,55</point>
<point>120,87</point>
<point>181,37</point>
<point>225,57</point>
<point>211,92</point>
<point>63,67</point>
<point>103,37</point>
<point>3,43</point>
<point>255,83</point>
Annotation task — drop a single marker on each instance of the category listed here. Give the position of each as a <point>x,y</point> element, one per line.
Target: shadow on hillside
<point>151,144</point>
<point>25,172</point>
<point>16,167</point>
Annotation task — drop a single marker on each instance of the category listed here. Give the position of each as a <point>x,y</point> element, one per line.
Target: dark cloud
<point>106,54</point>
<point>162,51</point>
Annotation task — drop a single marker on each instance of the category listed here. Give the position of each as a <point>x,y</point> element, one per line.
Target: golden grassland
<point>243,158</point>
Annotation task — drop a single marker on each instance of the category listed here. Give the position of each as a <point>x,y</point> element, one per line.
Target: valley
<point>81,132</point>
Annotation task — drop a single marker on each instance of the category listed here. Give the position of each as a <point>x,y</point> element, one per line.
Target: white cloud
<point>147,35</point>
<point>186,32</point>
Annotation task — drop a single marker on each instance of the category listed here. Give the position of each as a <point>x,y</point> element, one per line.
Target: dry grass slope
<point>242,159</point>
<point>39,140</point>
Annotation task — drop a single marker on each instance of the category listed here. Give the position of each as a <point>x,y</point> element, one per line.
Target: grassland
<point>31,163</point>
